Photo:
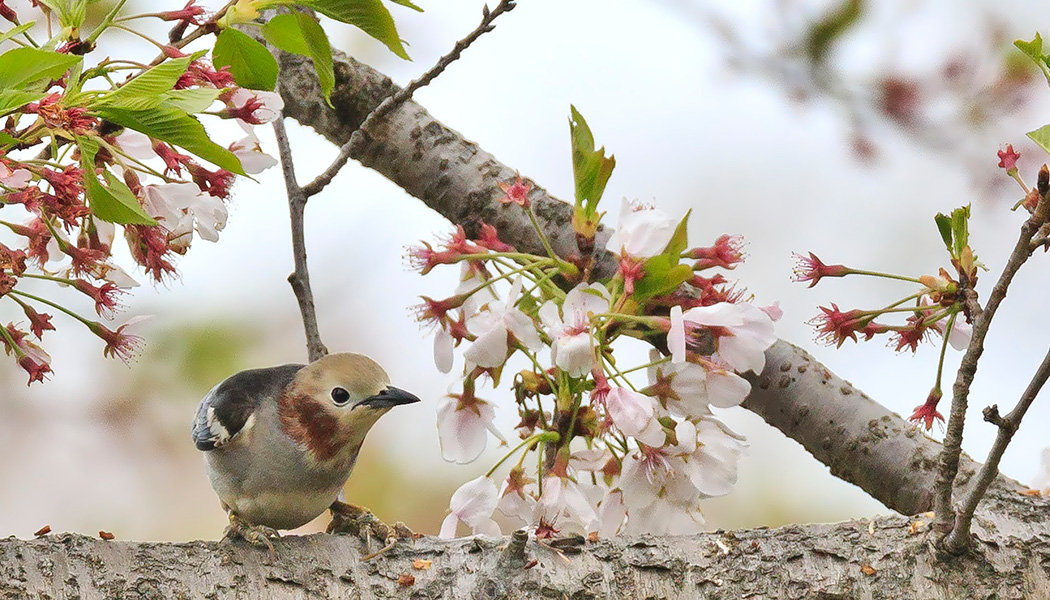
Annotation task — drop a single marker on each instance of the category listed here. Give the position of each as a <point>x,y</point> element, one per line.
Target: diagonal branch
<point>860,440</point>
<point>399,97</point>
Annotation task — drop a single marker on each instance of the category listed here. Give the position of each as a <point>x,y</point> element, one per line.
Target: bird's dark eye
<point>340,396</point>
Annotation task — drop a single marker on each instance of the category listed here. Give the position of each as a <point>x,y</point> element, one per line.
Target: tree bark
<point>887,557</point>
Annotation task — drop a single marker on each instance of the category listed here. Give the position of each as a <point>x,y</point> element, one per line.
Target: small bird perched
<point>279,443</point>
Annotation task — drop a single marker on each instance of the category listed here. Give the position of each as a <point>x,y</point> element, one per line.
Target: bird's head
<point>331,404</point>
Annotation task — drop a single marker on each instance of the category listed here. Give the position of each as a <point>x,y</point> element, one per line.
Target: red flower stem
<point>52,305</point>
<point>19,354</point>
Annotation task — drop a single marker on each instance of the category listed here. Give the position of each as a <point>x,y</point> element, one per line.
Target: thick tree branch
<point>863,442</point>
<point>885,558</point>
<point>856,437</point>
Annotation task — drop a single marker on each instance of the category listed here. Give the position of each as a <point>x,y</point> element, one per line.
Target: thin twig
<point>202,30</point>
<point>399,98</point>
<point>1008,425</point>
<point>300,278</point>
<point>948,466</point>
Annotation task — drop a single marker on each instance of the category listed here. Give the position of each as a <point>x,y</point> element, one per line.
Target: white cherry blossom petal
<point>642,231</point>
<point>473,504</point>
<point>463,433</point>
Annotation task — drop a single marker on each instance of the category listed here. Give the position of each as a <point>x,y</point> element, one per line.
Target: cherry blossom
<point>812,269</point>
<point>517,499</point>
<point>255,107</point>
<point>1008,158</point>
<point>564,503</point>
<point>472,504</point>
<point>516,192</point>
<point>164,202</point>
<point>572,349</point>
<point>611,513</point>
<point>634,415</point>
<point>642,232</point>
<point>253,159</point>
<point>136,145</point>
<point>657,488</point>
<point>16,179</point>
<point>464,422</point>
<point>743,331</point>
<point>494,328</point>
<point>718,450</point>
<point>926,413</point>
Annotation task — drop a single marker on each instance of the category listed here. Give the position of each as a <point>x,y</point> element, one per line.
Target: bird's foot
<point>359,521</point>
<point>256,535</point>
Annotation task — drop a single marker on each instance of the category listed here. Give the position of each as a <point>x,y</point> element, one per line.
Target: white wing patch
<point>219,434</point>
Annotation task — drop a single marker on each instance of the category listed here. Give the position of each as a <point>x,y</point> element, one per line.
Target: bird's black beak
<point>388,398</point>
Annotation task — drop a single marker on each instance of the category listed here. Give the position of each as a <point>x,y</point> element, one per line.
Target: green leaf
<point>113,202</point>
<point>832,27</point>
<point>944,225</point>
<point>22,67</point>
<point>408,4</point>
<point>251,64</point>
<point>1032,49</point>
<point>1041,136</point>
<point>10,33</point>
<point>663,272</point>
<point>174,126</point>
<point>960,229</point>
<point>150,84</point>
<point>369,15</point>
<point>12,99</point>
<point>192,100</point>
<point>285,32</point>
<point>300,33</point>
<point>590,167</point>
<point>660,278</point>
<point>70,13</point>
<point>116,203</point>
<point>679,240</point>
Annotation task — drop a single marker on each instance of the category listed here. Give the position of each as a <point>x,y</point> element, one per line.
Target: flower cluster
<point>937,307</point>
<point>614,448</point>
<point>77,167</point>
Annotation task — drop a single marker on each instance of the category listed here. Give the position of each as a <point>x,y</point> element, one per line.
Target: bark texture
<point>857,438</point>
<point>885,558</point>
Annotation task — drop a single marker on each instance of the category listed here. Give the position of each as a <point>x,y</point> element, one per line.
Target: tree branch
<point>956,527</point>
<point>960,534</point>
<point>886,557</point>
<point>300,278</point>
<point>399,97</point>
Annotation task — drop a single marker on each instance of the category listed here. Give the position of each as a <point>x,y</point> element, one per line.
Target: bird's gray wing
<point>229,407</point>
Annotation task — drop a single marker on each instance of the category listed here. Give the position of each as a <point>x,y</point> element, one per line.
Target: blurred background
<point>838,128</point>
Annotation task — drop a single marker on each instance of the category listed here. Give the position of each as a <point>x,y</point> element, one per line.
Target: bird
<point>279,443</point>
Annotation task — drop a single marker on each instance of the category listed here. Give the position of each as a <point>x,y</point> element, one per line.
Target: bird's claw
<point>359,521</point>
<point>256,535</point>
